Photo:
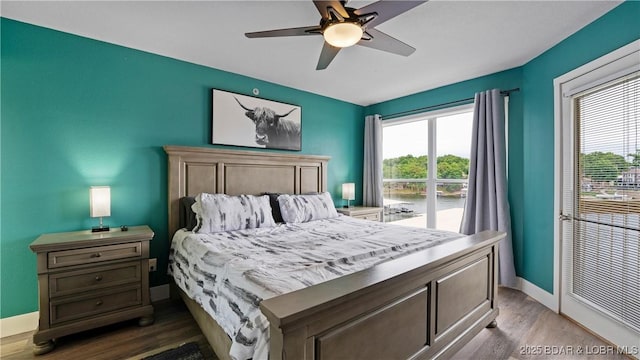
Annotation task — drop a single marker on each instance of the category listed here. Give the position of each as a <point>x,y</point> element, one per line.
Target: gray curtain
<point>372,174</point>
<point>487,207</point>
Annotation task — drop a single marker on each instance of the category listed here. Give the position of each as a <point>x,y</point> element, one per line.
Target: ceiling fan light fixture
<point>343,34</point>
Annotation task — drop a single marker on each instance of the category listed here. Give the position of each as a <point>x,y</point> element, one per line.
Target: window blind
<point>606,250</point>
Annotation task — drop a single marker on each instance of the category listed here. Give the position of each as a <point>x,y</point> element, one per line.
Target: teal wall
<point>77,112</point>
<point>615,29</point>
<point>504,80</point>
<point>531,130</point>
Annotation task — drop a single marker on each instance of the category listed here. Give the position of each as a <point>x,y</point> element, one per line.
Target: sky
<point>453,137</point>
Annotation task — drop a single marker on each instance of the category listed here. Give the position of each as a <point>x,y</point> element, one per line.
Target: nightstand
<point>362,212</point>
<point>87,280</point>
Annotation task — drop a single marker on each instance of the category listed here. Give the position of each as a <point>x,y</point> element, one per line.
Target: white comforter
<point>229,273</point>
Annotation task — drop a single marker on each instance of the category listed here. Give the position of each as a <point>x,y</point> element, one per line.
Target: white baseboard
<point>160,292</point>
<point>29,322</point>
<point>18,324</point>
<point>542,296</point>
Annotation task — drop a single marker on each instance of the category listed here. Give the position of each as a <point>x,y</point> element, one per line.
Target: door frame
<point>585,75</point>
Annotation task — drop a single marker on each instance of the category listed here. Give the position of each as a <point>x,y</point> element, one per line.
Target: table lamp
<point>348,192</point>
<point>100,205</point>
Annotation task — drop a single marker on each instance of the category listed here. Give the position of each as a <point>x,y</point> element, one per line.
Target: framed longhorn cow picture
<point>242,120</point>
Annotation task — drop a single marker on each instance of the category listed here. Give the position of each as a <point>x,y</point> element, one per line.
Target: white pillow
<point>220,212</point>
<point>303,208</point>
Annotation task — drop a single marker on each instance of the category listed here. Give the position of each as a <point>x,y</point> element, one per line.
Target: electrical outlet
<point>153,264</point>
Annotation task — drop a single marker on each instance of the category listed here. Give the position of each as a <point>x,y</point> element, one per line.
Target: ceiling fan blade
<point>327,55</point>
<point>323,7</point>
<point>387,10</point>
<point>307,30</point>
<point>384,42</point>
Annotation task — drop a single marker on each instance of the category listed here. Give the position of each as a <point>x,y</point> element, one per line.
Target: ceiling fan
<point>342,26</point>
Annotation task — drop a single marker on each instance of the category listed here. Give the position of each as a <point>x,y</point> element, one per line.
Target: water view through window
<point>426,169</point>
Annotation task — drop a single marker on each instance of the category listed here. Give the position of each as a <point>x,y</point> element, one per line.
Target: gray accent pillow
<point>220,212</point>
<point>187,216</point>
<point>275,208</point>
<point>304,208</point>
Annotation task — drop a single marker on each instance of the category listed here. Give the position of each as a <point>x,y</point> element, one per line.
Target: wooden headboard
<point>193,170</point>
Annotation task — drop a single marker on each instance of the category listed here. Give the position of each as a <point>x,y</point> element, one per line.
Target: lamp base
<point>99,228</point>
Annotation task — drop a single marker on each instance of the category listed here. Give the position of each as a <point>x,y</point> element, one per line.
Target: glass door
<point>600,204</point>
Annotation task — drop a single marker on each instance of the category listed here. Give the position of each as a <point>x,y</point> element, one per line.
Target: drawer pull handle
<point>99,302</point>
<point>98,277</point>
<point>96,255</point>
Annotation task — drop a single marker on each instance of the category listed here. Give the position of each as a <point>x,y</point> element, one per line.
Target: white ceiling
<point>455,40</point>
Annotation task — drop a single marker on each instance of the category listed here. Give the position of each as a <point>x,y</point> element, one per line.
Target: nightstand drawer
<point>72,282</point>
<point>58,259</point>
<point>78,307</point>
<point>372,217</point>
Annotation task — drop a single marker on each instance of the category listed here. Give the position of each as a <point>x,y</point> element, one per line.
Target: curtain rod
<point>443,105</point>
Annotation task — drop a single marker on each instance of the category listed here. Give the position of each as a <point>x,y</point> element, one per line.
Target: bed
<point>426,304</point>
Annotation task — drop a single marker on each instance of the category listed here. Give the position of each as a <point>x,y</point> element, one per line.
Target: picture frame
<point>242,120</point>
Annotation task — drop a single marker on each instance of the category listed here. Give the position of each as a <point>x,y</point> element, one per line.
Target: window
<point>426,167</point>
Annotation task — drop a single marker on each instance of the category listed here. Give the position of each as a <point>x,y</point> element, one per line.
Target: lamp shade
<point>100,201</point>
<point>349,191</point>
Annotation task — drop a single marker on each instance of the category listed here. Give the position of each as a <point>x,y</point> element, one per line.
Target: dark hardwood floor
<point>173,326</point>
<point>526,330</point>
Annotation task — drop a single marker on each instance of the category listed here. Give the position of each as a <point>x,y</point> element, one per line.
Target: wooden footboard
<point>424,305</point>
